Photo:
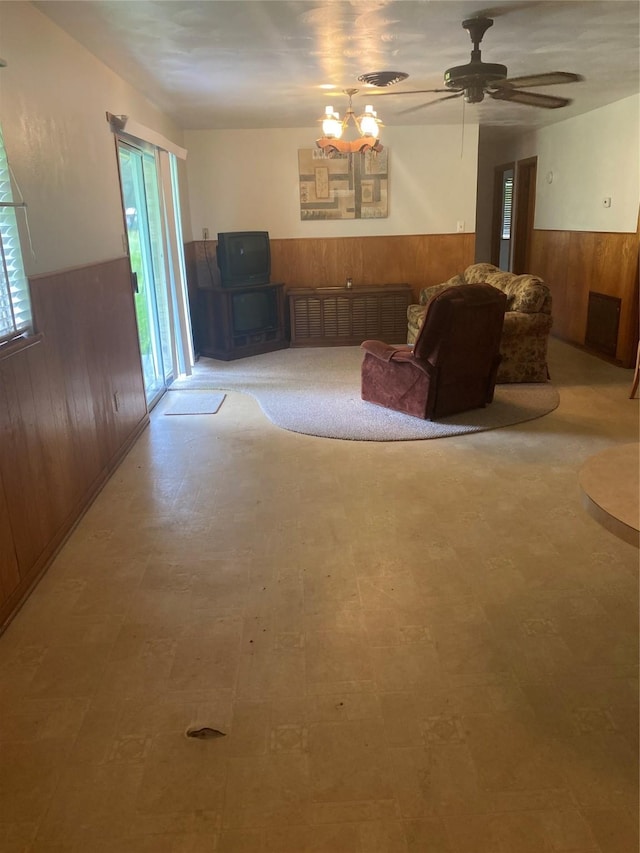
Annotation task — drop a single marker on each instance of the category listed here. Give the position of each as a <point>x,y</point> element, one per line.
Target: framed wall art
<point>345,186</point>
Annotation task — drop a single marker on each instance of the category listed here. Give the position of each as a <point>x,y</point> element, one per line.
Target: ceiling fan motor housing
<point>474,75</point>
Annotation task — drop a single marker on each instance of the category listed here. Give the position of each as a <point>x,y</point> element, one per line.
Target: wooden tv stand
<point>215,323</point>
<point>337,316</point>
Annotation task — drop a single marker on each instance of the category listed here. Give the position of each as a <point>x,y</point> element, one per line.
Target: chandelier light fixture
<point>368,126</point>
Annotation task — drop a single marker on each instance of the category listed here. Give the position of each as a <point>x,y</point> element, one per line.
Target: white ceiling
<point>262,63</point>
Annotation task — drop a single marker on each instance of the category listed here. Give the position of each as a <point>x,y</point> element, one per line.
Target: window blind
<point>15,304</point>
<point>507,207</point>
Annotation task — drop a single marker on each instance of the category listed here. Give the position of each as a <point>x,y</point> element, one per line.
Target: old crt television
<point>244,257</point>
<point>254,311</point>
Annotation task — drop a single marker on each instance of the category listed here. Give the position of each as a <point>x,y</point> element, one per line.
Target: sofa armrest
<point>517,324</point>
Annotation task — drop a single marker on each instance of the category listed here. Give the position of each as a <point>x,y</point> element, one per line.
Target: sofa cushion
<point>529,294</point>
<point>479,273</point>
<point>526,293</point>
<point>427,293</point>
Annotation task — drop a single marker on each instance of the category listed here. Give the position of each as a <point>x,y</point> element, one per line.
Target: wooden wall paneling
<point>98,327</point>
<point>116,368</point>
<point>580,259</point>
<point>59,429</point>
<point>630,319</point>
<point>574,263</point>
<point>440,256</point>
<point>59,486</point>
<point>204,272</point>
<point>63,313</point>
<point>125,358</point>
<point>549,260</point>
<point>615,274</point>
<point>419,260</point>
<point>9,575</point>
<point>22,463</point>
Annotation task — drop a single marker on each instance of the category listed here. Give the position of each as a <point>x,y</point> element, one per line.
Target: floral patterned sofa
<point>527,322</point>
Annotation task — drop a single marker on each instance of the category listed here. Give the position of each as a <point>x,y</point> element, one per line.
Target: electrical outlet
<point>460,226</point>
<point>205,233</point>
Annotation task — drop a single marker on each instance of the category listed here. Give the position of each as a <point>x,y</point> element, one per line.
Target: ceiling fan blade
<point>552,78</point>
<point>430,103</point>
<point>532,99</point>
<point>407,92</point>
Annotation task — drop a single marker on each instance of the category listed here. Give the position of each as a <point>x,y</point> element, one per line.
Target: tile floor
<point>412,647</point>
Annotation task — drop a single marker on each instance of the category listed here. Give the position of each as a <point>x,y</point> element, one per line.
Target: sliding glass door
<point>140,196</point>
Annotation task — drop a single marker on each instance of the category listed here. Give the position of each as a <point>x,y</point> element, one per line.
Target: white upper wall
<point>54,97</point>
<point>581,161</point>
<point>248,180</point>
<point>584,160</point>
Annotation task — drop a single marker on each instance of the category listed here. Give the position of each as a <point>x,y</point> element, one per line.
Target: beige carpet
<point>316,391</point>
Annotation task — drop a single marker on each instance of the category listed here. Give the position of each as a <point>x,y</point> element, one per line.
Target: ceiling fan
<point>478,79</point>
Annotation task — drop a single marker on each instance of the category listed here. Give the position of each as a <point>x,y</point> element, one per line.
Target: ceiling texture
<point>230,64</point>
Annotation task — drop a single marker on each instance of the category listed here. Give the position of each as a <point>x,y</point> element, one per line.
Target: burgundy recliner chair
<point>453,364</point>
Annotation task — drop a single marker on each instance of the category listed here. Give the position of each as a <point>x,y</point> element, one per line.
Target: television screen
<point>244,257</point>
<point>254,311</point>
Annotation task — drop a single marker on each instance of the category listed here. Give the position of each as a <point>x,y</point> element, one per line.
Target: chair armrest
<point>385,352</point>
<point>399,353</point>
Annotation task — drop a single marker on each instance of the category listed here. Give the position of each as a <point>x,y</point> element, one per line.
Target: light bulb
<point>331,124</point>
<point>369,123</point>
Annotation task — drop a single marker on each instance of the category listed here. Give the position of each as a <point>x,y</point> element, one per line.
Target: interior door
<point>140,197</point>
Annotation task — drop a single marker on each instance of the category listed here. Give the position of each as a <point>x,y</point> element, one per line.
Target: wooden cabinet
<point>239,321</point>
<point>336,316</point>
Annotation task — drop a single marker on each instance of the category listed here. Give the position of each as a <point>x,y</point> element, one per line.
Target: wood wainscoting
<point>70,408</point>
<point>419,259</point>
<point>575,263</point>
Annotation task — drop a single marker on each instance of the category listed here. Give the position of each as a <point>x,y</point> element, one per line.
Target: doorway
<point>514,200</point>
<point>503,187</point>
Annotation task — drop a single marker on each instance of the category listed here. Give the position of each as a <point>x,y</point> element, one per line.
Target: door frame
<point>179,361</point>
<point>524,214</point>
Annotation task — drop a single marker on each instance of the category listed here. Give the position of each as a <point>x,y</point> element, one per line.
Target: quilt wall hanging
<point>346,186</point>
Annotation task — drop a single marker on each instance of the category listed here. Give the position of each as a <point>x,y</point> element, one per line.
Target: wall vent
<point>603,320</point>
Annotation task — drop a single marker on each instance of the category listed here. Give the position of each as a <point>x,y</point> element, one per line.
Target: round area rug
<point>316,391</point>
